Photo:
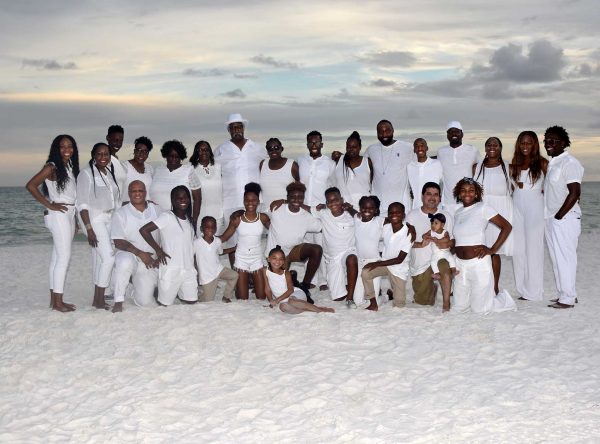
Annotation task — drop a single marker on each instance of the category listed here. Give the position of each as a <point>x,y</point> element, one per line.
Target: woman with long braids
<point>528,171</point>
<point>58,180</point>
<point>492,173</point>
<point>353,172</point>
<point>98,195</point>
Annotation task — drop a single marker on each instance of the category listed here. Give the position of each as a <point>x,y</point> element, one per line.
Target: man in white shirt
<point>134,256</point>
<point>562,213</point>
<point>423,170</point>
<point>239,159</point>
<point>317,172</point>
<point>421,253</point>
<point>390,159</point>
<point>457,161</point>
<point>114,137</point>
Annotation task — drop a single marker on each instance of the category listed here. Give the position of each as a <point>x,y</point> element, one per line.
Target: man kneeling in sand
<point>134,259</point>
<point>290,221</point>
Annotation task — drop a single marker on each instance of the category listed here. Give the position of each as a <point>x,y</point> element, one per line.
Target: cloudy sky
<point>177,68</point>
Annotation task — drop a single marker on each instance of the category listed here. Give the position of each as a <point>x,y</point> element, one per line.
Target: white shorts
<point>336,274</point>
<point>175,281</point>
<point>249,261</point>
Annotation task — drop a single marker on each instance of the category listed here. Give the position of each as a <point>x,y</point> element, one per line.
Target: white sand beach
<point>243,373</point>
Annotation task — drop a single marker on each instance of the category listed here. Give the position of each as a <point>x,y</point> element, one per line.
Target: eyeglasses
<point>273,148</point>
<point>141,150</point>
<point>552,141</point>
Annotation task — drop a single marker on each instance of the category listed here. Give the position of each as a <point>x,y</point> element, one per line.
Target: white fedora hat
<point>234,118</point>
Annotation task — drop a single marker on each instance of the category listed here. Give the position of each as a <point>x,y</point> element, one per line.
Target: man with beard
<point>239,159</point>
<point>114,137</point>
<point>390,158</point>
<point>457,160</point>
<point>420,257</point>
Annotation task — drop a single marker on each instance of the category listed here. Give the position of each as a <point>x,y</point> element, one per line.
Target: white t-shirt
<point>207,258</point>
<point>420,258</point>
<point>368,235</point>
<point>456,163</point>
<point>470,223</point>
<point>562,170</point>
<point>176,237</point>
<point>238,168</point>
<point>390,180</point>
<point>164,181</point>
<point>393,244</point>
<point>338,232</point>
<point>288,229</point>
<point>318,175</point>
<point>419,173</point>
<point>127,221</point>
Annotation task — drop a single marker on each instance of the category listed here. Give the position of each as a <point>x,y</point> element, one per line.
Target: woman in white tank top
<point>58,178</point>
<point>276,173</point>
<point>353,172</point>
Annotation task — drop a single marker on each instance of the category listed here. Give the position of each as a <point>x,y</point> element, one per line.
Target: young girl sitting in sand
<point>280,290</point>
<point>438,221</point>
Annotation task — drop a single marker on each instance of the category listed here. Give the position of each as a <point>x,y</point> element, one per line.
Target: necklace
<point>252,221</point>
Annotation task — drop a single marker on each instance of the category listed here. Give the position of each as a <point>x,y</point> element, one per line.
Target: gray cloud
<point>389,59</point>
<point>235,94</point>
<point>381,83</point>
<point>245,76</point>
<point>213,72</point>
<point>47,64</point>
<point>543,63</point>
<point>262,59</point>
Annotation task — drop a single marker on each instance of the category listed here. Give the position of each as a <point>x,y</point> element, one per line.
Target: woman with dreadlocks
<point>98,195</point>
<point>354,173</point>
<point>493,174</point>
<point>57,179</point>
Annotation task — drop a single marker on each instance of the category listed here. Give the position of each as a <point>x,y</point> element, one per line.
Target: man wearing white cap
<point>457,161</point>
<point>239,159</point>
<point>390,158</point>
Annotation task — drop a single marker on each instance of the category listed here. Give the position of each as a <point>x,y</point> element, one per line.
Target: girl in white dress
<point>211,185</point>
<point>57,179</point>
<point>276,173</point>
<point>138,168</point>
<point>98,195</point>
<point>528,171</point>
<point>279,288</point>
<point>492,173</point>
<point>249,225</point>
<point>353,172</point>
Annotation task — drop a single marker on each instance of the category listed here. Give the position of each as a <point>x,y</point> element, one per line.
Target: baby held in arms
<point>438,221</point>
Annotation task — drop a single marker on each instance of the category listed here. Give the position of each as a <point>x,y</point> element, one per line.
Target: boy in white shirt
<point>207,249</point>
<point>397,243</point>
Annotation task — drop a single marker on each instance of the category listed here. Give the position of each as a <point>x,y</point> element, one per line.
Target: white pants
<point>438,255</point>
<point>562,237</point>
<point>474,288</point>
<point>359,290</point>
<point>103,255</point>
<point>128,265</point>
<point>336,274</point>
<point>175,281</point>
<point>320,277</point>
<point>62,228</point>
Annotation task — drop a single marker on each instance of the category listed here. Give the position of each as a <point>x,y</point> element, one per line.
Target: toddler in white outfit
<point>438,221</point>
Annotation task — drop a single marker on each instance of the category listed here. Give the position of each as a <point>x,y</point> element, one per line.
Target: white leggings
<point>62,227</point>
<point>103,256</point>
<point>145,280</point>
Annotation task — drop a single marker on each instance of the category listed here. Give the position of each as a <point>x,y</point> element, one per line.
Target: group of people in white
<point>349,219</point>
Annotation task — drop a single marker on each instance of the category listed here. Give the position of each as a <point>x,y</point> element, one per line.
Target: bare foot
<point>327,310</point>
<point>445,308</point>
<point>343,298</point>
<point>323,288</point>
<point>226,300</point>
<point>61,308</point>
<point>101,306</point>
<point>372,305</point>
<point>118,307</point>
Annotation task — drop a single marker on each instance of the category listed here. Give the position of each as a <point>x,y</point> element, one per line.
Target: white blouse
<point>96,192</point>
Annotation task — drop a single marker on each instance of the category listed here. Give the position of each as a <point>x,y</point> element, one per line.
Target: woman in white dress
<point>275,175</point>
<point>137,168</point>
<point>174,174</point>
<point>528,171</point>
<point>57,179</point>
<point>211,185</point>
<point>353,172</point>
<point>492,173</point>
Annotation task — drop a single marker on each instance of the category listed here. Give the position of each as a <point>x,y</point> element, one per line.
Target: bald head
<point>137,192</point>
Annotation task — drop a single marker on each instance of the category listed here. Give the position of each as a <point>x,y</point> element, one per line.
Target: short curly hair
<point>468,181</point>
<point>560,132</point>
<point>173,145</point>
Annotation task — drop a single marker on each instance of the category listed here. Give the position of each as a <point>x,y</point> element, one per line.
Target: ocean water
<point>22,217</point>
